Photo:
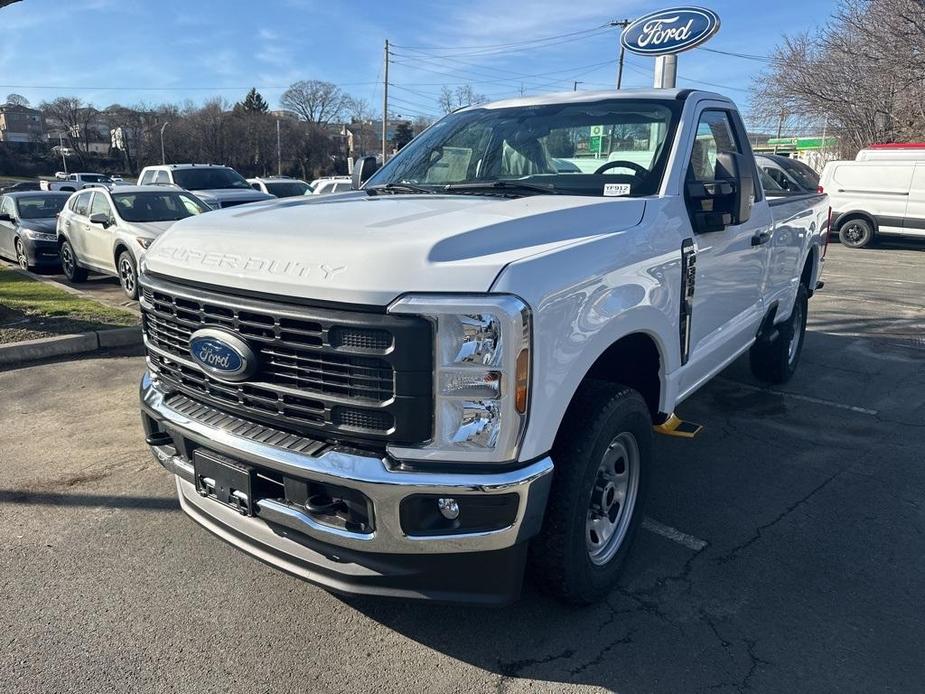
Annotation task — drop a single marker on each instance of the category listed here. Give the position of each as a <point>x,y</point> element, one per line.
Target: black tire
<point>21,258</point>
<point>128,274</point>
<point>69,266</point>
<point>562,556</point>
<point>856,233</point>
<point>776,360</point>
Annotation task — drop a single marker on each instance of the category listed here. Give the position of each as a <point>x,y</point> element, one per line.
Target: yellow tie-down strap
<point>675,426</point>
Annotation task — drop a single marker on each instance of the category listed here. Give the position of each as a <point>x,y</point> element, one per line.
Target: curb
<point>66,345</point>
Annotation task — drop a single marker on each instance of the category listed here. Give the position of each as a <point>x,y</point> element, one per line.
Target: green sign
<point>595,145</point>
<point>803,142</point>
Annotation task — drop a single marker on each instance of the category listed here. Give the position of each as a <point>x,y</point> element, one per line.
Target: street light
<point>163,156</point>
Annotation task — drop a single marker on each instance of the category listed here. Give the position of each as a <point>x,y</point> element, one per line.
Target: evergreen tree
<point>402,135</point>
<point>253,103</point>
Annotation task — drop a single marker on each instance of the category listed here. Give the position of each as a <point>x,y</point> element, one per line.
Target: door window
<point>82,204</point>
<point>714,135</point>
<point>147,178</point>
<point>6,206</point>
<point>101,206</point>
<point>162,178</point>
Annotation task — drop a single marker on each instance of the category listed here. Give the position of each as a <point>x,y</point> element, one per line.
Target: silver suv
<point>107,230</point>
<point>217,186</point>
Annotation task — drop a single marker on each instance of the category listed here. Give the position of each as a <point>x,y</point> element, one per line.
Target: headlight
<point>481,376</point>
<point>143,241</point>
<point>39,235</point>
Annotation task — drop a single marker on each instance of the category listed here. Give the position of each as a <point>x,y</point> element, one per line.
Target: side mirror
<point>363,169</point>
<point>100,218</point>
<point>5,217</point>
<point>727,200</point>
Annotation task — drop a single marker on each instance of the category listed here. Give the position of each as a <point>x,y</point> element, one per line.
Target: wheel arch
<point>118,248</point>
<point>844,217</point>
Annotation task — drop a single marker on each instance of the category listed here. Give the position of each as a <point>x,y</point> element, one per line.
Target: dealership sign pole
<point>666,33</point>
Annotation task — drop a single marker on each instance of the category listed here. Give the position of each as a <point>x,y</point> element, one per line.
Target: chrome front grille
<point>351,375</point>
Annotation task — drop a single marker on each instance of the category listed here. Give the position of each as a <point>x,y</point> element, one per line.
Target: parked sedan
<point>280,186</point>
<point>107,230</point>
<point>790,175</point>
<point>21,187</point>
<point>27,227</point>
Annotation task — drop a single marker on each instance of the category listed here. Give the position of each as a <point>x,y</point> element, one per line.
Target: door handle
<point>761,237</point>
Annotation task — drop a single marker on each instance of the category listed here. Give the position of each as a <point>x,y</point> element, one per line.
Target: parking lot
<point>783,550</point>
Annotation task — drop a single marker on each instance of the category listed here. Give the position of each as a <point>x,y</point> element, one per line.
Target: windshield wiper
<point>502,187</point>
<point>397,188</point>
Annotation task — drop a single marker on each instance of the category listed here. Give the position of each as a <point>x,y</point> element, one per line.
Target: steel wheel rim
<point>613,499</point>
<point>21,255</point>
<point>797,336</point>
<point>127,275</point>
<point>854,233</point>
<point>67,261</point>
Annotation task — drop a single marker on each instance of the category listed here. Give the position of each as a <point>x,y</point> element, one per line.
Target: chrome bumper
<point>385,485</point>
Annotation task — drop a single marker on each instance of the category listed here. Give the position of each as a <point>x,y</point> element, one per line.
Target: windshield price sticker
<point>613,190</point>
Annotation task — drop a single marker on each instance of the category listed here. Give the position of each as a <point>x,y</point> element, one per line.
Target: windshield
<point>40,207</point>
<point>286,189</point>
<point>159,206</point>
<point>802,173</point>
<point>209,178</point>
<point>616,147</point>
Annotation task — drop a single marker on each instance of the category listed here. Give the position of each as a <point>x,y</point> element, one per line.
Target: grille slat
<point>321,369</point>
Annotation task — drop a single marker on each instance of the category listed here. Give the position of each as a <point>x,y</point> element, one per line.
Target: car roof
<point>144,189</point>
<point>578,97</point>
<point>188,166</point>
<point>35,193</point>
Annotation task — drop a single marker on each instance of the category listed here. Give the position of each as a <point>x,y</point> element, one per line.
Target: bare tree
<point>862,72</point>
<point>74,120</point>
<point>315,101</point>
<point>17,100</point>
<point>450,100</point>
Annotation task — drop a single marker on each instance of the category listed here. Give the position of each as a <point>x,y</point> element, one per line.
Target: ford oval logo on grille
<point>222,354</point>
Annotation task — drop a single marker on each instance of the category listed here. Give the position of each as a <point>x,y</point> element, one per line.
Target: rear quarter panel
<point>800,230</point>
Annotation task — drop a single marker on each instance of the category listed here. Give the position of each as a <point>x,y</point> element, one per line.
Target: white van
<point>869,198</point>
<point>911,151</point>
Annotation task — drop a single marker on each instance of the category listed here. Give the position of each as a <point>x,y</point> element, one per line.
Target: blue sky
<point>128,51</point>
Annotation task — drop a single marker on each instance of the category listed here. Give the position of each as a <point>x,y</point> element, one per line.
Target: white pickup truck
<point>78,181</point>
<point>421,387</point>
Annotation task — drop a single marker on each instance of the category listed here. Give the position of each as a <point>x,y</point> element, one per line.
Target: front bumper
<point>482,566</point>
<point>41,252</point>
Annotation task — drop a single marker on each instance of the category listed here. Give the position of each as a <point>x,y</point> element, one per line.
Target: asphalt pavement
<point>783,552</point>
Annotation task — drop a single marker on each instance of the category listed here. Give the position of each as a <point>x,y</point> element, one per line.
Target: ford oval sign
<point>670,31</point>
<point>222,354</point>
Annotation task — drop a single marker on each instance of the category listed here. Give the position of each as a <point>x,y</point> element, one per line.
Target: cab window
<point>714,135</point>
<point>162,178</point>
<point>147,178</point>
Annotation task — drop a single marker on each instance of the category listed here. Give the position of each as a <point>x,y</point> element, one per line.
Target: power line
<point>746,56</point>
<point>487,46</point>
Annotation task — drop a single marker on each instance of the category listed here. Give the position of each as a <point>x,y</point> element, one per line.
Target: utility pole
<point>163,157</point>
<point>385,101</point>
<point>623,23</point>
<point>279,152</point>
<point>61,149</point>
<point>575,84</point>
<point>780,127</point>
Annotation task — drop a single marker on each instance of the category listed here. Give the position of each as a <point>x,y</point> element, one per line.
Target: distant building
<point>21,124</point>
<point>284,114</point>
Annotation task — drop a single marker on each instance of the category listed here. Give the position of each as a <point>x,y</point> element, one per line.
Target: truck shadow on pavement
<point>144,503</point>
<point>782,489</point>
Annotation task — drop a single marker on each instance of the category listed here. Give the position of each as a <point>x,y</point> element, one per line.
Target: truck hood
<point>233,195</point>
<point>359,249</point>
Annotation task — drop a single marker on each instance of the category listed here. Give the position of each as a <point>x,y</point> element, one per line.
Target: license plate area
<point>224,480</point>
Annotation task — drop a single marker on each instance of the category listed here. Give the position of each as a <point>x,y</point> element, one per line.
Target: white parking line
<point>673,534</point>
<point>804,398</point>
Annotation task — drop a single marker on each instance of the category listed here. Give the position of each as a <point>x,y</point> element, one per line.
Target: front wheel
<point>128,276</point>
<point>775,360</point>
<point>601,457</point>
<point>72,270</point>
<point>856,233</point>
<point>21,258</point>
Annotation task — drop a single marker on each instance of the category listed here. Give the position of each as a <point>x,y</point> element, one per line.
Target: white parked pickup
<point>403,389</point>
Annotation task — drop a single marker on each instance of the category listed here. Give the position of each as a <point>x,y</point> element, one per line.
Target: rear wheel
<point>856,233</point>
<point>128,276</point>
<point>69,265</point>
<point>601,457</point>
<point>21,258</point>
<point>775,360</point>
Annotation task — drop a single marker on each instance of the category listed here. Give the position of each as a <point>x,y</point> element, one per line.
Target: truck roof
<point>597,95</point>
<point>187,166</point>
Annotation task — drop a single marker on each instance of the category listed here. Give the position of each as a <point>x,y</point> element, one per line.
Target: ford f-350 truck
<point>423,386</point>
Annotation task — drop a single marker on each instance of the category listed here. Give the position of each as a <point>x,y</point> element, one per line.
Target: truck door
<point>914,222</point>
<point>730,263</point>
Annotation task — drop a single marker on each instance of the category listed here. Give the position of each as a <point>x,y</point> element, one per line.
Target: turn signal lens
<point>522,381</point>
